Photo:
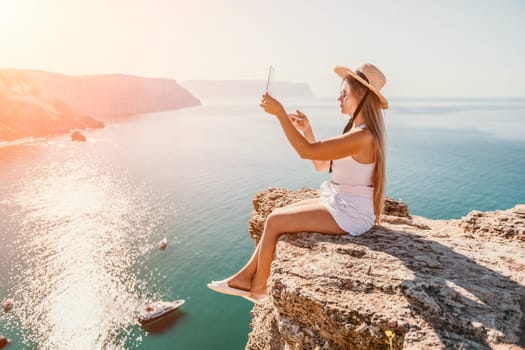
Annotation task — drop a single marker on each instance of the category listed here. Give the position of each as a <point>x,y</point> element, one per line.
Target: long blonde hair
<point>373,117</point>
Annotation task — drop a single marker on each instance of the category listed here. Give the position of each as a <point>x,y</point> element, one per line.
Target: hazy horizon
<point>182,83</point>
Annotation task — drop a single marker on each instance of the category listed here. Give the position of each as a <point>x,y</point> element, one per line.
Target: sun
<point>15,13</point>
<point>16,21</point>
<point>10,12</point>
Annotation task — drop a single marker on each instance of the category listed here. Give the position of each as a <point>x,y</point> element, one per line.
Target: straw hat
<point>376,79</point>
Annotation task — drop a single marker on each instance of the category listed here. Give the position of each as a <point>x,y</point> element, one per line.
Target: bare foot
<point>240,282</point>
<point>258,291</point>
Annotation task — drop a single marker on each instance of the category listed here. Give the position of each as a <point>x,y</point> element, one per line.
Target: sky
<point>447,48</point>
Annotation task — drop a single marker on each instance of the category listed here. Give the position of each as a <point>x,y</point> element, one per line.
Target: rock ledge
<point>436,284</point>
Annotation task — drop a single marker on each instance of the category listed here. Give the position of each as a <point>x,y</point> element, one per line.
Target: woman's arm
<point>301,122</point>
<point>333,148</point>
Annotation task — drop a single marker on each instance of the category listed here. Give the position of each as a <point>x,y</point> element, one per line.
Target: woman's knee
<point>274,220</point>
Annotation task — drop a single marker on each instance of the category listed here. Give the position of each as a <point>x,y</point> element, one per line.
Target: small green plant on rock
<point>390,335</point>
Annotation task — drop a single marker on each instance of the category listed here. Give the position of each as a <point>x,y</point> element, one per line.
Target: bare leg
<point>303,202</point>
<point>243,278</point>
<point>304,218</point>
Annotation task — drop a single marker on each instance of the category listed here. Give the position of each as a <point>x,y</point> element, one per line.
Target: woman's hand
<point>300,121</point>
<point>271,105</point>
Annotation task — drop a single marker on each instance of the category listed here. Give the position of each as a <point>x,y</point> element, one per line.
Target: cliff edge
<point>429,284</point>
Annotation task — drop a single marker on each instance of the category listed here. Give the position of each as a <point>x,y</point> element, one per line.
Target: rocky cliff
<point>36,103</point>
<point>26,110</point>
<point>114,95</point>
<point>409,283</point>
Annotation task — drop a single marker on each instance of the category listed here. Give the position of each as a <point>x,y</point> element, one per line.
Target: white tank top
<point>348,171</point>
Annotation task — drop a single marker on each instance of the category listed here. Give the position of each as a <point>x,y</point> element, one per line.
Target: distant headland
<point>210,89</point>
<point>39,104</point>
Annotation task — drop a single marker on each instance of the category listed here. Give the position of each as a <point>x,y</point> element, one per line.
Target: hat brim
<point>343,72</point>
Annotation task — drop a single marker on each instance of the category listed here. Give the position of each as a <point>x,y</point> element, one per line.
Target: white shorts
<point>351,206</point>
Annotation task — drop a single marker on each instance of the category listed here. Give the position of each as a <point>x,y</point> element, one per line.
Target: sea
<point>80,222</point>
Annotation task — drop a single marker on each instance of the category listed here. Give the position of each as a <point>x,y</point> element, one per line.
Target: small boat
<point>3,341</point>
<point>163,244</point>
<point>7,305</point>
<point>159,310</point>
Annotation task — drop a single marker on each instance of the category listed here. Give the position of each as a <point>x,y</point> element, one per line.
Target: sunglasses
<point>343,92</point>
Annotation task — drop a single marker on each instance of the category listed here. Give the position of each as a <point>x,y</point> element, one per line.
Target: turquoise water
<point>80,223</point>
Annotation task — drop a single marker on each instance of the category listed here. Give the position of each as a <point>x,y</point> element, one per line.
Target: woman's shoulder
<point>364,140</point>
<point>362,133</point>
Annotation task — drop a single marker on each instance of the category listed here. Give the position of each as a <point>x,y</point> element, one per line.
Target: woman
<point>351,202</point>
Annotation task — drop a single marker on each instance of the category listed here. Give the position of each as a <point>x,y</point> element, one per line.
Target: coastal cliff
<point>39,104</point>
<point>113,96</point>
<point>212,89</point>
<point>27,111</point>
<point>428,284</point>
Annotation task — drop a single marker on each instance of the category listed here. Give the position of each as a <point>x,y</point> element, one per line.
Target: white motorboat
<point>159,310</point>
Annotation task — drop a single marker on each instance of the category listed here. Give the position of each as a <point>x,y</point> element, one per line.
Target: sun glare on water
<point>84,235</point>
